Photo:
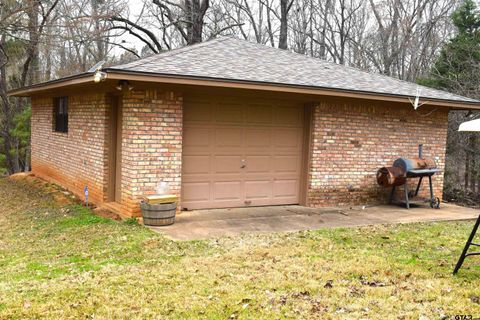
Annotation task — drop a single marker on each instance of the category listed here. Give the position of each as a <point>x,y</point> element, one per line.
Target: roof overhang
<point>114,74</point>
<point>53,84</point>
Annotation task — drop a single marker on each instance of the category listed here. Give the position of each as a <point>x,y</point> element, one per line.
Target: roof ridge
<point>174,52</point>
<point>337,65</point>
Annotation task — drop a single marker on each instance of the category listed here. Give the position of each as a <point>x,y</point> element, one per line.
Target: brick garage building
<point>229,123</point>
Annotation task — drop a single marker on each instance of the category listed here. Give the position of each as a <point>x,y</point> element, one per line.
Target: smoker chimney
<point>420,151</point>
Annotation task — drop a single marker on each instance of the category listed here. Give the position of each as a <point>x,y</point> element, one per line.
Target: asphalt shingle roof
<point>232,59</point>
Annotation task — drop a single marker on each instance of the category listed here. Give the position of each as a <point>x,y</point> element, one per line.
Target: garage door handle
<point>243,164</point>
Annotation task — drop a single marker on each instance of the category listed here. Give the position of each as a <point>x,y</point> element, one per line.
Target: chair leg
<point>418,186</point>
<point>392,194</point>
<point>467,246</point>
<point>407,201</point>
<point>431,188</point>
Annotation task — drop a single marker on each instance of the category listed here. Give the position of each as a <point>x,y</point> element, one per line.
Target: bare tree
<point>403,28</point>
<point>186,17</point>
<point>285,6</point>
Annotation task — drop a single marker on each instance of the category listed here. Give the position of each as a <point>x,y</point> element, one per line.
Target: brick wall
<point>352,140</point>
<point>152,145</point>
<point>79,157</point>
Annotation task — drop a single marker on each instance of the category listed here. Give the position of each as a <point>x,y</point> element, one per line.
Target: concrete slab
<point>202,224</point>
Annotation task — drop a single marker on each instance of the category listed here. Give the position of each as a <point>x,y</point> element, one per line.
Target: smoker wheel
<point>435,203</point>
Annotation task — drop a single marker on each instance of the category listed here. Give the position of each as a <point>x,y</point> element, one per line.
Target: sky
<point>135,7</point>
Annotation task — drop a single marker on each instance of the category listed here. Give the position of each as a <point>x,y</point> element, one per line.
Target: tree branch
<point>150,34</point>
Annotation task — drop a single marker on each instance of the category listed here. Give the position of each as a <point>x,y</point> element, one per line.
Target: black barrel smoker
<point>408,168</point>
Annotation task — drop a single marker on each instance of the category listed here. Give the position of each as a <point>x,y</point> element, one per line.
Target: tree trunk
<point>99,43</point>
<point>323,34</point>
<point>16,158</point>
<point>31,68</point>
<point>27,159</point>
<point>285,6</point>
<point>194,13</point>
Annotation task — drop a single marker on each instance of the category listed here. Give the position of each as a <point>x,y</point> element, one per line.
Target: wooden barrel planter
<point>160,214</point>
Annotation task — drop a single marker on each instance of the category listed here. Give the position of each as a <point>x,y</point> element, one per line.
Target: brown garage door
<point>239,154</point>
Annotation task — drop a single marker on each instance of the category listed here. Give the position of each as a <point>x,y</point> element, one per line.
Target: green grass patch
<point>62,261</point>
<point>131,221</point>
<point>80,216</point>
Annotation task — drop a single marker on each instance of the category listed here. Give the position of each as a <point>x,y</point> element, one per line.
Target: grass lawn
<point>58,260</point>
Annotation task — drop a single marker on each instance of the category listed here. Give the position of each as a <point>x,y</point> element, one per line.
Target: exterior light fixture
<point>99,76</point>
<point>124,85</point>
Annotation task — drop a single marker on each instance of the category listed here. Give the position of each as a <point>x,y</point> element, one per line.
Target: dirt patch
<point>60,195</point>
<point>107,214</point>
<point>20,176</point>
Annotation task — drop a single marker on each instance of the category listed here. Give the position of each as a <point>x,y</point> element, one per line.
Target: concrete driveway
<point>204,224</point>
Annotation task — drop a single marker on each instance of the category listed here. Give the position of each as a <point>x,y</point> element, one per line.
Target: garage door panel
<point>198,112</point>
<point>258,138</point>
<point>229,112</point>
<point>196,164</point>
<point>196,191</point>
<point>286,164</point>
<point>196,137</point>
<point>258,190</point>
<point>287,138</point>
<point>285,188</point>
<point>267,136</point>
<point>259,114</point>
<point>227,164</point>
<point>227,190</point>
<point>292,116</point>
<point>228,137</point>
<point>257,164</point>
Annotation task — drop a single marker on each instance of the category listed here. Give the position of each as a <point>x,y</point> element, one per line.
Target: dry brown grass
<point>60,261</point>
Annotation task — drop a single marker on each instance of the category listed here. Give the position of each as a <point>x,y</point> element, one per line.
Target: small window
<point>60,114</point>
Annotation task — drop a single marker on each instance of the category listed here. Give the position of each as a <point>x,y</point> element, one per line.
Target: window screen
<point>60,114</point>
